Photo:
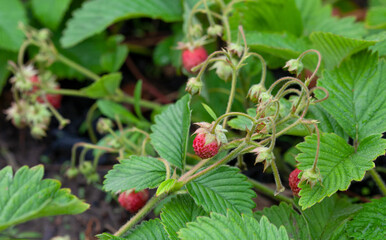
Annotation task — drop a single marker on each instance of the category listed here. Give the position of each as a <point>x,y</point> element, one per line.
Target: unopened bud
<point>104,125</point>
<point>294,65</point>
<point>255,91</point>
<point>196,30</point>
<point>215,30</point>
<point>236,48</point>
<point>193,86</point>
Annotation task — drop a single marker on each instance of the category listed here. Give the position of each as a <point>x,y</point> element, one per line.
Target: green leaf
<point>11,14</point>
<point>369,223</point>
<point>136,172</point>
<point>115,54</point>
<point>380,46</point>
<point>335,48</point>
<point>171,132</point>
<point>112,110</point>
<point>285,215</point>
<point>95,16</point>
<point>166,186</point>
<point>376,18</point>
<point>326,122</point>
<point>5,56</point>
<point>282,45</point>
<point>339,163</point>
<point>222,189</point>
<point>325,218</point>
<point>357,100</point>
<point>243,123</point>
<point>209,111</point>
<point>317,17</point>
<point>149,230</point>
<point>178,212</point>
<point>267,16</point>
<point>232,226</point>
<point>25,196</point>
<point>105,86</point>
<point>137,99</point>
<point>50,13</point>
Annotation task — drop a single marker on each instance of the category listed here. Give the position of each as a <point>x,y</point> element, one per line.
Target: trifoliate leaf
<point>339,163</point>
<point>222,189</point>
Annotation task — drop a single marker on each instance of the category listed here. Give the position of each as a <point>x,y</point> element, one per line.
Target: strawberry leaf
<point>339,163</point>
<point>149,230</point>
<point>11,13</point>
<point>178,212</point>
<point>316,16</point>
<point>105,86</point>
<point>25,196</point>
<point>335,48</point>
<point>232,226</point>
<point>171,132</point>
<point>285,215</point>
<point>326,218</point>
<point>50,13</point>
<point>369,223</point>
<point>136,172</point>
<point>357,95</point>
<point>222,189</point>
<point>95,16</point>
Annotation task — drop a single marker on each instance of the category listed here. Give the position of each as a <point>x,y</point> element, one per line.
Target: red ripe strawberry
<point>54,99</point>
<point>204,149</point>
<point>294,181</point>
<point>133,201</point>
<point>207,142</point>
<point>190,59</point>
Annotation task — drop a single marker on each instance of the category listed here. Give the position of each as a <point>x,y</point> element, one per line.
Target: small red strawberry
<point>190,59</point>
<point>133,201</point>
<point>203,149</point>
<point>206,144</point>
<point>294,181</point>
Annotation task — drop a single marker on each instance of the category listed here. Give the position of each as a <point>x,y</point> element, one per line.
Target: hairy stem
<point>77,67</point>
<point>378,180</point>
<point>269,192</point>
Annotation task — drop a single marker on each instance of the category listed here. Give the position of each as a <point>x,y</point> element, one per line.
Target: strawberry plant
<point>278,91</point>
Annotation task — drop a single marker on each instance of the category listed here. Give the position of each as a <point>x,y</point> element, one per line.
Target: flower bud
<point>236,48</point>
<point>223,69</point>
<point>193,86</point>
<point>196,30</point>
<point>265,155</point>
<point>255,91</point>
<point>215,30</point>
<point>104,125</point>
<point>294,65</point>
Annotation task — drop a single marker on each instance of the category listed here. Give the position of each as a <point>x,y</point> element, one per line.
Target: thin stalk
<point>269,192</point>
<point>77,67</point>
<point>218,120</point>
<point>279,186</point>
<point>193,169</point>
<point>90,130</point>
<point>317,148</point>
<point>141,214</point>
<point>263,67</point>
<point>378,180</point>
<point>231,96</point>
